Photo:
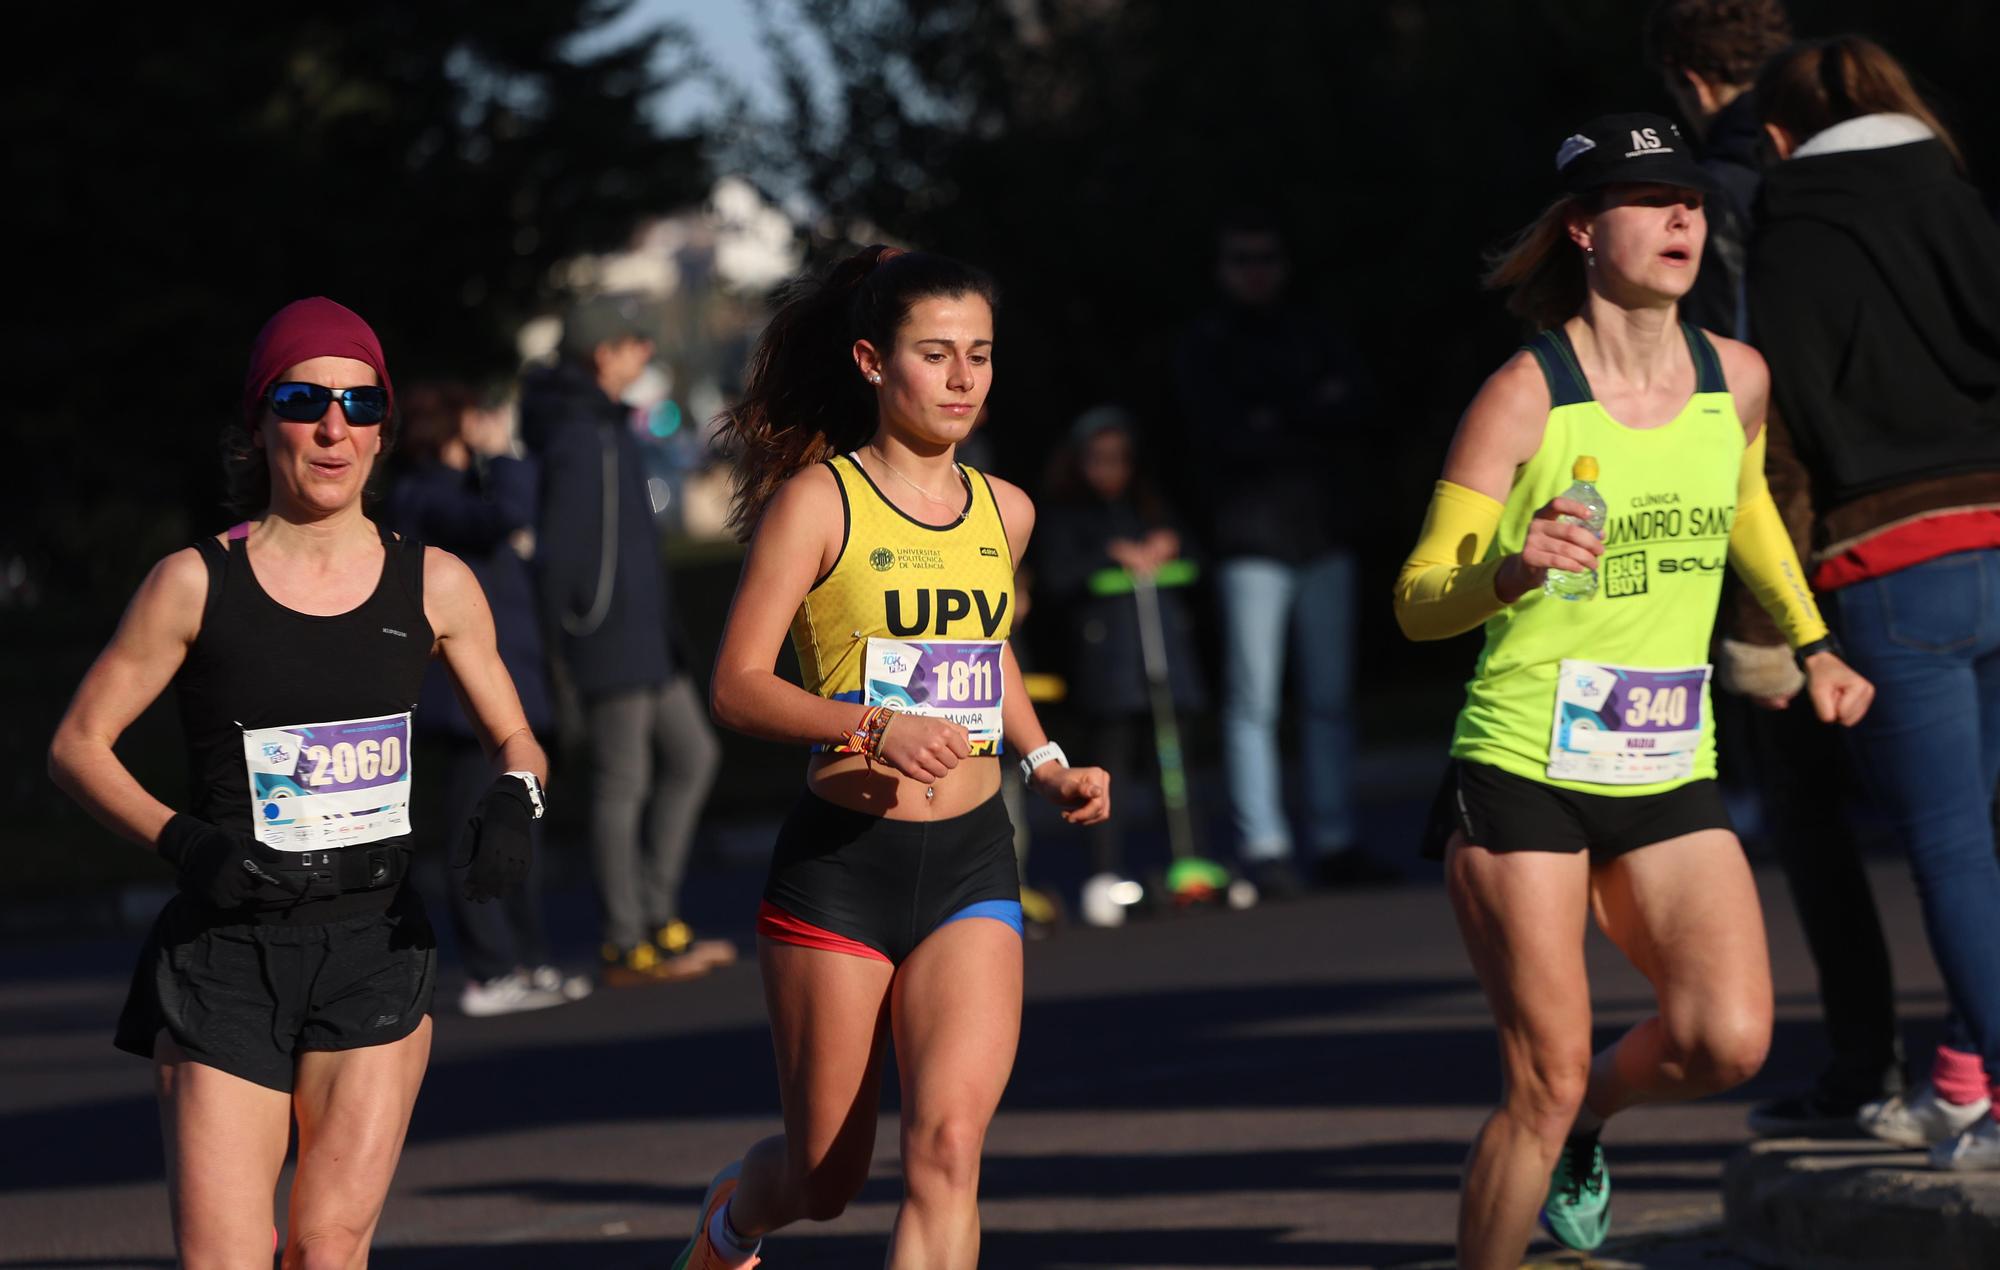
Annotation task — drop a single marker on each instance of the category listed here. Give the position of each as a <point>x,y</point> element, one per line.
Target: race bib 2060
<point>321,785</point>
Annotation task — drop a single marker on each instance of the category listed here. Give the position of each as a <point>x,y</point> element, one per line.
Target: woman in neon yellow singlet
<point>892,908</point>
<point>1583,773</point>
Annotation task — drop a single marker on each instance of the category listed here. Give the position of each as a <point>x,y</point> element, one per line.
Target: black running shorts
<point>886,884</point>
<point>246,999</point>
<point>1503,812</point>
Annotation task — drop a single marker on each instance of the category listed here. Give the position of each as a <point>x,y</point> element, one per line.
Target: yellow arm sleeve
<point>1762,553</point>
<point>1446,586</point>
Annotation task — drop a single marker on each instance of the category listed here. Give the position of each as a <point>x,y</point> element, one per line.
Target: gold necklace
<point>941,502</point>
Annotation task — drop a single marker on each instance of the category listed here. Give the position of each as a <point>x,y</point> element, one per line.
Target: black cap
<point>1628,150</point>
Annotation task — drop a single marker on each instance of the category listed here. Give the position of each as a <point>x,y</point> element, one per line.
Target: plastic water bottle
<point>1579,586</point>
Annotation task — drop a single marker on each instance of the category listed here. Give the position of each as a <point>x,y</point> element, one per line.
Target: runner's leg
<point>1686,912</point>
<point>829,1014</point>
<point>956,1007</point>
<point>1522,916</point>
<point>353,1109</point>
<point>225,1140</point>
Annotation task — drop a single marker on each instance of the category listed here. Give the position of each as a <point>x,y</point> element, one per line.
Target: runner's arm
<point>797,541</point>
<point>1448,585</point>
<point>458,613</point>
<point>1084,793</point>
<point>135,667</point>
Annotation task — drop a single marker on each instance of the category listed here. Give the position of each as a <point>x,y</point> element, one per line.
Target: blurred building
<point>705,276</point>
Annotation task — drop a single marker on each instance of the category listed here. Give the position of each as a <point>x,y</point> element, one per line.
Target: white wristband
<point>1048,752</point>
<point>534,790</point>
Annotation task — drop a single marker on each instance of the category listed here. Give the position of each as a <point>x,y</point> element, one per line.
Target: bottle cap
<point>1585,468</point>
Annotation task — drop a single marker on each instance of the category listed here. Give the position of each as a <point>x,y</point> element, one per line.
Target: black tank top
<point>257,664</point>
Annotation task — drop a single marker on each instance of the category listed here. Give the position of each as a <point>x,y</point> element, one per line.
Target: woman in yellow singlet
<point>893,907</point>
<point>1583,763</point>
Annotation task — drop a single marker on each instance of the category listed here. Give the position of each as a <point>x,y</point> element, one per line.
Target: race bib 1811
<point>322,785</point>
<point>1619,725</point>
<point>958,680</point>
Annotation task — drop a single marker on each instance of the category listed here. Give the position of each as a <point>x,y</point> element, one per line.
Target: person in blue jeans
<point>1875,292</point>
<point>1272,398</point>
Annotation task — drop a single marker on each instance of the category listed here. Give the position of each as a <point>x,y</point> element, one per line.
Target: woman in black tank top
<point>293,973</point>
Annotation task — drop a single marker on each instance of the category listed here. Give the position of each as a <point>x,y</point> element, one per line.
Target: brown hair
<point>1816,84</point>
<point>1540,269</point>
<point>1723,41</point>
<point>803,400</point>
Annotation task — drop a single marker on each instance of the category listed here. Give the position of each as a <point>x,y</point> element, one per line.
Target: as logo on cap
<point>1645,139</point>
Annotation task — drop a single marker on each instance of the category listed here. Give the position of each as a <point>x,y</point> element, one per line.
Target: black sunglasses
<point>307,403</point>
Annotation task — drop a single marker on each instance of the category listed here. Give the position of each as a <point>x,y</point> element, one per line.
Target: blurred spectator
<point>1272,400</point>
<point>604,587</point>
<point>462,488</point>
<point>1102,513</point>
<point>1709,53</point>
<point>1875,295</point>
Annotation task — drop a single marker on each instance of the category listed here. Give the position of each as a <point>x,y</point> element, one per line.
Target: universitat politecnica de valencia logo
<point>883,559</point>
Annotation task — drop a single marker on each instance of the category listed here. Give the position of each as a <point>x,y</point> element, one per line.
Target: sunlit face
<point>1646,240</point>
<point>322,466</point>
<point>620,363</point>
<point>1106,463</point>
<point>934,381</point>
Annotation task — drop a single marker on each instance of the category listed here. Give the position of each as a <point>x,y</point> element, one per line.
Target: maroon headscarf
<point>301,331</point>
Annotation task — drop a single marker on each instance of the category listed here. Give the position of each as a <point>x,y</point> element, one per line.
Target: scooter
<point>1191,880</point>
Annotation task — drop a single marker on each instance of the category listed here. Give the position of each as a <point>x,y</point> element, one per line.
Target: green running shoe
<point>1578,1210</point>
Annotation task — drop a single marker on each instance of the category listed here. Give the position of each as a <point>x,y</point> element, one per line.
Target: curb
<point>1797,1203</point>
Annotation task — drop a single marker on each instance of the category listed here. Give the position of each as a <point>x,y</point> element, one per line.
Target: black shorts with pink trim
<point>847,881</point>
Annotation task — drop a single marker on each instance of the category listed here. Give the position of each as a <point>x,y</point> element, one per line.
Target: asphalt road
<point>1290,1086</point>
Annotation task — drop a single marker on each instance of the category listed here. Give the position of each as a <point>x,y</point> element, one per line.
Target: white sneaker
<point>550,979</point>
<point>1976,1148</point>
<point>1106,897</point>
<point>509,994</point>
<point>1920,1118</point>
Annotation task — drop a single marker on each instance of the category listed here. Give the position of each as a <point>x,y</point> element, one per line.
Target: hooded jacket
<point>1875,296</point>
<point>597,550</point>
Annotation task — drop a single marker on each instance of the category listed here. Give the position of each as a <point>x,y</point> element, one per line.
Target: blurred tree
<point>178,175</point>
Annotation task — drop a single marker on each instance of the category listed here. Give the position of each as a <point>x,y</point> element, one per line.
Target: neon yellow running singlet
<point>1609,695</point>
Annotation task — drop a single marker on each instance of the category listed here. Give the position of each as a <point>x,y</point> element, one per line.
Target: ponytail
<point>803,400</point>
<point>1816,84</point>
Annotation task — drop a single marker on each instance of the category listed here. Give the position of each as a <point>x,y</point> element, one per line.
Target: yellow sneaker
<point>642,964</point>
<point>676,939</point>
<point>700,1254</point>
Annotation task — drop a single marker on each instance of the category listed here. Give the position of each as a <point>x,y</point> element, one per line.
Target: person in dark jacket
<point>604,589</point>
<point>1708,52</point>
<point>1272,399</point>
<point>1102,513</point>
<point>462,488</point>
<point>1875,294</point>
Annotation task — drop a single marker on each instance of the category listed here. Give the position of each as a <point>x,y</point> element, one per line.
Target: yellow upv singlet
<point>1609,695</point>
<point>912,615</point>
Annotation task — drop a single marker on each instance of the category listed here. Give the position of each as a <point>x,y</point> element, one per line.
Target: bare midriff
<point>853,782</point>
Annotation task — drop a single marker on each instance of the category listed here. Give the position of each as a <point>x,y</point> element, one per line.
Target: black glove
<point>221,867</point>
<point>499,841</point>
